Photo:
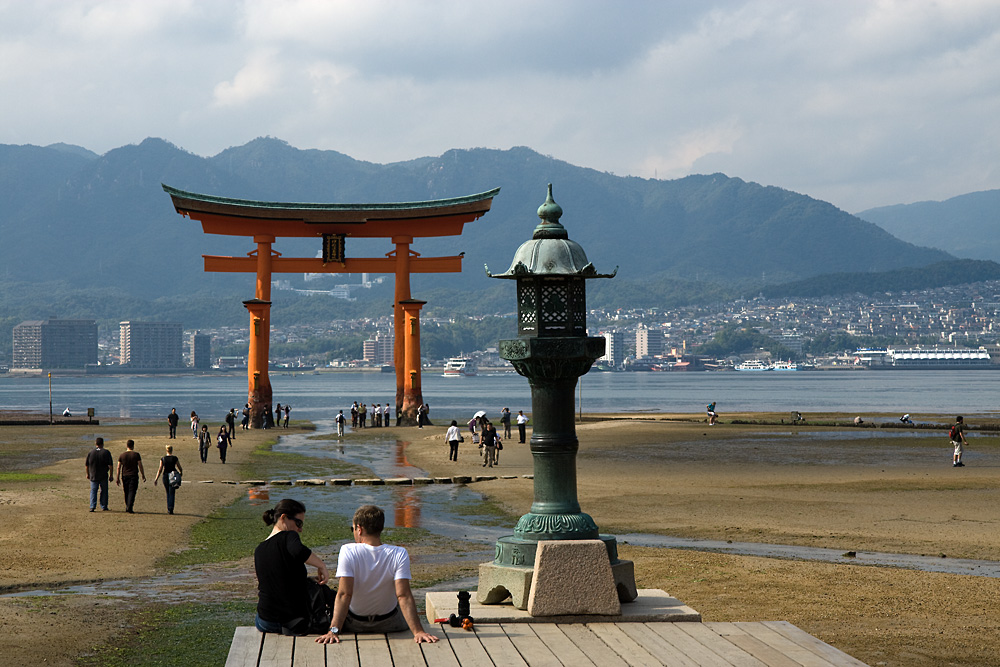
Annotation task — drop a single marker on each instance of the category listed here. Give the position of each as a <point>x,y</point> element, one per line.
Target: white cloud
<point>859,102</point>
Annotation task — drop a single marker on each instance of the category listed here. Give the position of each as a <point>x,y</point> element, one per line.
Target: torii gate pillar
<point>413,397</point>
<point>399,321</point>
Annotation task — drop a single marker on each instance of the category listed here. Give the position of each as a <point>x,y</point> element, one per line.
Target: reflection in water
<point>407,511</point>
<point>259,495</point>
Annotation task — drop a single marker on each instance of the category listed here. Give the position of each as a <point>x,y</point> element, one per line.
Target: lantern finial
<point>549,227</point>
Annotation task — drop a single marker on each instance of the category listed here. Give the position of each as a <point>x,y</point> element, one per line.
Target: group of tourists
<point>484,434</point>
<point>101,472</point>
<point>373,581</point>
<point>376,415</point>
<point>224,439</point>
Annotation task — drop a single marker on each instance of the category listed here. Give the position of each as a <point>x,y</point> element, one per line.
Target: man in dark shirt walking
<point>129,469</point>
<point>172,420</point>
<point>99,466</point>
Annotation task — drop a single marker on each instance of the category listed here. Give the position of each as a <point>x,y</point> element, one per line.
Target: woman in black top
<point>168,464</point>
<point>280,562</point>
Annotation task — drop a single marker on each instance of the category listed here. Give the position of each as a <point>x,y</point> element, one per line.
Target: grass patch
<point>28,477</point>
<point>489,513</point>
<point>183,634</point>
<point>231,533</point>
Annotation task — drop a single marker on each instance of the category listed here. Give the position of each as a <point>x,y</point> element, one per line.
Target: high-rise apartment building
<point>201,351</point>
<point>614,348</point>
<point>55,344</point>
<point>648,342</point>
<point>152,344</point>
<point>380,349</point>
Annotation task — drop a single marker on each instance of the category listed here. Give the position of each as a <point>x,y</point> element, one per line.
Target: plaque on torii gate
<point>332,224</point>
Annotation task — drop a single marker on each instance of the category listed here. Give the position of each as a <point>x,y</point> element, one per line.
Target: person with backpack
<point>284,603</point>
<point>171,470</point>
<point>340,419</point>
<point>957,436</point>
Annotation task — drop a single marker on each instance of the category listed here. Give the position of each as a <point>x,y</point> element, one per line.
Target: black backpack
<point>321,600</point>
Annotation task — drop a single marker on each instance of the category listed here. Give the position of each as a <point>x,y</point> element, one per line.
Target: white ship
<point>753,365</point>
<point>459,367</point>
<point>785,366</point>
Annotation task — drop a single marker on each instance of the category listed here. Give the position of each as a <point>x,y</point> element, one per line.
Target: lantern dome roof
<point>550,252</point>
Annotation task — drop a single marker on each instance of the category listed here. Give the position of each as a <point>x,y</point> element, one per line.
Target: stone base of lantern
<point>569,577</point>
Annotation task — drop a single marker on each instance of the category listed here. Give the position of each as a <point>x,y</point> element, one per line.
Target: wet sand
<point>849,489</point>
<point>838,488</point>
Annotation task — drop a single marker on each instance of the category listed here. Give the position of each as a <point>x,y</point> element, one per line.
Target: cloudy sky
<point>860,103</point>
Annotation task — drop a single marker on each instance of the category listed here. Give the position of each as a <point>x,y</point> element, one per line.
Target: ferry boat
<point>753,365</point>
<point>785,366</point>
<point>459,367</point>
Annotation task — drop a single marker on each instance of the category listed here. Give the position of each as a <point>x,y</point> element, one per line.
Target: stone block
<point>461,479</point>
<point>340,481</point>
<point>399,481</point>
<point>573,577</point>
<point>498,582</point>
<point>281,482</point>
<point>373,481</point>
<point>310,482</point>
<point>423,480</point>
<point>624,574</point>
<point>442,480</point>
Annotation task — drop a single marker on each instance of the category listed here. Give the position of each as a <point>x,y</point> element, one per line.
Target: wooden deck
<point>776,643</point>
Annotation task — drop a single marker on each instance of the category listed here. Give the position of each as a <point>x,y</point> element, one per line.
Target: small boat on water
<point>785,366</point>
<point>459,367</point>
<point>753,365</point>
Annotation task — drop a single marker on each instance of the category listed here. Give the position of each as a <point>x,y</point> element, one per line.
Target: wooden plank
<point>467,647</point>
<point>730,652</point>
<point>440,653</point>
<point>308,653</point>
<point>700,653</point>
<point>277,651</point>
<point>801,655</point>
<point>656,645</point>
<point>629,649</point>
<point>556,640</point>
<point>806,640</point>
<point>598,652</point>
<point>532,649</point>
<point>755,647</point>
<point>405,652</point>
<point>373,651</point>
<point>344,654</point>
<point>245,648</point>
<point>496,642</point>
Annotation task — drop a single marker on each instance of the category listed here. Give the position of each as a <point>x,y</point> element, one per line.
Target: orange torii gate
<point>333,223</point>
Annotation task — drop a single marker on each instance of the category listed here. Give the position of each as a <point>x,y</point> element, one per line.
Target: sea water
<point>320,396</point>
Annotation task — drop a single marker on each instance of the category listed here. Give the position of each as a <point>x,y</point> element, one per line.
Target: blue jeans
<point>267,626</point>
<point>101,484</point>
<point>171,491</point>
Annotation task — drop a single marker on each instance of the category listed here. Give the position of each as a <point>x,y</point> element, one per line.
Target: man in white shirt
<point>373,593</point>
<point>522,422</point>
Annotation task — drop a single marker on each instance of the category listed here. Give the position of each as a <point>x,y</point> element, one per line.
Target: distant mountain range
<point>67,214</point>
<point>965,226</point>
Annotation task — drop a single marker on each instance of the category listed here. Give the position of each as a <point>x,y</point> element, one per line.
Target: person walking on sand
<point>489,442</point>
<point>172,420</point>
<point>453,437</point>
<point>373,591</point>
<point>420,416</point>
<point>385,415</point>
<point>231,423</point>
<point>222,442</point>
<point>340,419</point>
<point>204,443</point>
<point>505,420</point>
<point>288,410</point>
<point>129,469</point>
<point>712,415</point>
<point>957,437</point>
<point>100,471</point>
<point>195,422</point>
<point>168,464</point>
<point>521,425</point>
